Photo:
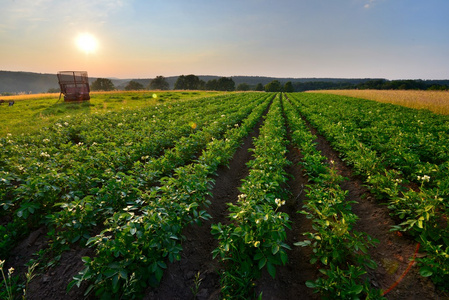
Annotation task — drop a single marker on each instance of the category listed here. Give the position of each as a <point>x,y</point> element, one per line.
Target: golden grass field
<point>435,101</point>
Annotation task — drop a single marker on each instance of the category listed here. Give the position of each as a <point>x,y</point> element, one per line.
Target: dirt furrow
<point>395,250</point>
<point>181,278</point>
<point>290,279</point>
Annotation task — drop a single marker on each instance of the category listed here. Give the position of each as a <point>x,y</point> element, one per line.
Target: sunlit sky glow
<point>393,39</point>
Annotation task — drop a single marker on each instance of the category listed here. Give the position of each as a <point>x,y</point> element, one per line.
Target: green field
<point>123,179</point>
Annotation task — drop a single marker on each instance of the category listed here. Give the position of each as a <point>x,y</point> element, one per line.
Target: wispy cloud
<point>30,13</point>
<point>370,4</point>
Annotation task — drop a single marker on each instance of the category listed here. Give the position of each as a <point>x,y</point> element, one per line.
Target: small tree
<point>102,84</point>
<point>188,82</point>
<point>288,87</point>
<point>274,86</point>
<point>159,83</point>
<point>259,87</point>
<point>243,87</point>
<point>226,84</point>
<point>212,85</point>
<point>134,86</point>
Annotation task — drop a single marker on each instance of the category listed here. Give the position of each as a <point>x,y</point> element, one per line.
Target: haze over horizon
<point>393,39</point>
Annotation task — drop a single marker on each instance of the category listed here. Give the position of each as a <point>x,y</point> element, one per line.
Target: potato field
<point>226,196</point>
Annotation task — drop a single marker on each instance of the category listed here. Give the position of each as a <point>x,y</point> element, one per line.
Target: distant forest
<point>375,84</point>
<point>27,82</point>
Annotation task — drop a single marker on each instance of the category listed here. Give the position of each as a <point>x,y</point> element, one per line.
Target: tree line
<point>193,82</point>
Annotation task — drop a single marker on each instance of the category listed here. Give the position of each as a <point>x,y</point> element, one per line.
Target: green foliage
<point>134,86</point>
<point>188,82</point>
<point>102,84</point>
<point>288,87</point>
<point>243,87</point>
<point>221,84</point>
<point>400,153</point>
<point>335,244</point>
<point>159,83</point>
<point>273,86</point>
<point>259,87</point>
<point>255,238</point>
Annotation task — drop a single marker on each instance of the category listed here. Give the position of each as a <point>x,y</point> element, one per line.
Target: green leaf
<point>324,260</point>
<point>271,269</point>
<point>283,257</point>
<point>310,284</point>
<point>262,263</point>
<point>162,264</point>
<point>275,249</point>
<point>303,244</point>
<point>159,273</point>
<point>123,274</point>
<point>258,256</point>
<point>425,272</point>
<point>133,231</point>
<point>115,282</point>
<point>420,223</point>
<point>357,289</point>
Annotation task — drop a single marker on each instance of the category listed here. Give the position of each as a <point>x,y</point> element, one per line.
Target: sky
<point>392,39</point>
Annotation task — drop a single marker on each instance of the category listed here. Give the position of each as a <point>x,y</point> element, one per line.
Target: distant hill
<point>28,82</point>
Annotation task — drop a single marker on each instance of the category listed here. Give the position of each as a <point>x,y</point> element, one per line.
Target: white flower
<point>279,202</point>
<point>66,124</point>
<point>242,196</point>
<point>119,124</point>
<point>424,178</point>
<point>45,154</point>
<point>46,140</point>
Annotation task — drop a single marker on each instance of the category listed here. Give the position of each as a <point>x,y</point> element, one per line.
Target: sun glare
<point>87,43</point>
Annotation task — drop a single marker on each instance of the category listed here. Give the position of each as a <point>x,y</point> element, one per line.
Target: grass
<point>32,112</point>
<point>435,101</point>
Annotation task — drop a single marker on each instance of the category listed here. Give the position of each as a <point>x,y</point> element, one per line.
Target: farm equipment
<point>74,85</point>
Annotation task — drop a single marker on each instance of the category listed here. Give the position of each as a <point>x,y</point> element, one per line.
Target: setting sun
<point>87,43</point>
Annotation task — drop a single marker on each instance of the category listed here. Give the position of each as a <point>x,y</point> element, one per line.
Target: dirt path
<point>196,255</point>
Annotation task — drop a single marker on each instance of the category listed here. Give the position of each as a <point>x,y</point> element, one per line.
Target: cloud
<point>19,13</point>
<point>370,4</point>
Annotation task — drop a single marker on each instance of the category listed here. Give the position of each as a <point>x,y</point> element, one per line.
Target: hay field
<point>435,101</point>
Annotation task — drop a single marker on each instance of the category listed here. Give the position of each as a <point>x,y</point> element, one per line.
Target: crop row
<point>80,158</point>
<point>402,154</point>
<point>337,247</point>
<point>78,217</point>
<point>255,236</point>
<point>132,251</point>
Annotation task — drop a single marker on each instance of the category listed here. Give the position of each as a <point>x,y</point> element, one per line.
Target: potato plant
<point>337,247</point>
<point>255,237</point>
<point>401,153</point>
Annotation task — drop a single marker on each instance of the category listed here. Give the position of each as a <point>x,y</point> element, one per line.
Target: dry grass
<point>29,96</point>
<point>435,101</point>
